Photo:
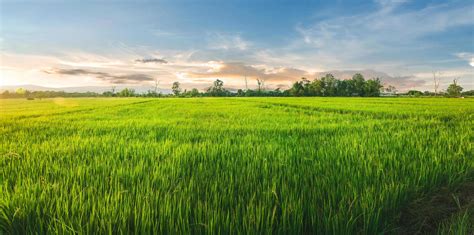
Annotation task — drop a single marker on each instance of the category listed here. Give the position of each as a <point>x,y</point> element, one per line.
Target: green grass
<point>460,224</point>
<point>221,165</point>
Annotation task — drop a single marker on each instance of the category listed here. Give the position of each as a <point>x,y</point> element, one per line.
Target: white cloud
<point>469,57</point>
<point>29,69</point>
<point>389,5</point>
<point>335,44</point>
<point>362,37</point>
<point>224,41</point>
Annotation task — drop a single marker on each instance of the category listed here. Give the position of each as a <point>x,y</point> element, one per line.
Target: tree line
<point>326,86</point>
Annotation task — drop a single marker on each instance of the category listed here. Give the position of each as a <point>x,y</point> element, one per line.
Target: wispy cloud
<point>284,76</point>
<point>364,36</point>
<point>406,39</point>
<point>389,5</point>
<point>226,41</point>
<point>151,60</point>
<point>469,57</point>
<point>112,78</point>
<point>183,69</point>
<point>240,70</point>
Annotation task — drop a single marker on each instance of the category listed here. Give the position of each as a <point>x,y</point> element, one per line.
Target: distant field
<point>221,165</point>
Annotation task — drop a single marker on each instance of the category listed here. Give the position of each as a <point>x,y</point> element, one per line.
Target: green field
<point>222,165</point>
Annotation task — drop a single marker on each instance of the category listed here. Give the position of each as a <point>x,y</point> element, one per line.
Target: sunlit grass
<point>217,165</point>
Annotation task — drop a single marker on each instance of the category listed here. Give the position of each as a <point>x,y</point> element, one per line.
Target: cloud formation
<point>151,60</point>
<point>202,74</point>
<point>364,38</point>
<point>112,78</point>
<point>283,77</point>
<point>234,74</point>
<point>406,39</point>
<point>241,70</point>
<point>223,41</point>
<point>469,57</point>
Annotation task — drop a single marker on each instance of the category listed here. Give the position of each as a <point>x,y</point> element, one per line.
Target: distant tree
<point>316,87</point>
<point>468,93</point>
<point>250,93</point>
<point>218,85</point>
<point>21,91</point>
<point>454,90</point>
<point>108,94</point>
<point>217,89</point>
<point>329,85</point>
<point>276,92</point>
<point>6,94</point>
<point>358,83</point>
<point>260,84</point>
<point>152,93</point>
<point>306,86</point>
<point>373,87</point>
<point>126,93</point>
<point>194,92</point>
<point>297,89</point>
<point>391,89</point>
<point>414,93</point>
<point>46,94</point>
<point>176,88</point>
<point>344,87</point>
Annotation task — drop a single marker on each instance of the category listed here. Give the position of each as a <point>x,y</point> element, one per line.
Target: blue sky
<point>102,43</point>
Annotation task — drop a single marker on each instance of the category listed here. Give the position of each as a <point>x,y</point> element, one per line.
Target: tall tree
<point>297,89</point>
<point>358,83</point>
<point>329,85</point>
<point>372,87</point>
<point>176,88</point>
<point>126,93</point>
<point>306,86</point>
<point>414,93</point>
<point>260,84</point>
<point>454,90</point>
<point>316,87</point>
<point>217,88</point>
<point>20,91</point>
<point>391,89</point>
<point>194,92</point>
<point>344,88</point>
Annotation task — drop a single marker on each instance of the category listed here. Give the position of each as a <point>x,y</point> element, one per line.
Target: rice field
<point>227,165</point>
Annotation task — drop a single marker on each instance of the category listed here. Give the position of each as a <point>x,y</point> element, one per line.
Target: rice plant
<point>226,165</point>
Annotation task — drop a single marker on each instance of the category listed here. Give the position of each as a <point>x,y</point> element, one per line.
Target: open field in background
<point>216,165</point>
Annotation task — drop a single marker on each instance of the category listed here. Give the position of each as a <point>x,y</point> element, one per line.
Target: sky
<point>56,43</point>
